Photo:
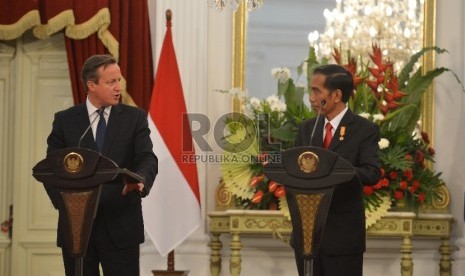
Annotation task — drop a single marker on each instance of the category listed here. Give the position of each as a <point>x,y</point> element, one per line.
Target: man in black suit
<point>356,140</point>
<point>118,226</point>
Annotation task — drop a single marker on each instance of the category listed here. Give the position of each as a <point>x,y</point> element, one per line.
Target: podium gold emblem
<point>73,162</point>
<point>308,162</point>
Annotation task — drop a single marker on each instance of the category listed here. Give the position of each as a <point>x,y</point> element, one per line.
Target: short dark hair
<point>337,77</point>
<point>89,71</point>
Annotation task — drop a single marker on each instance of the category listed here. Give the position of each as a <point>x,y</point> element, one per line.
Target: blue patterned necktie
<point>101,128</point>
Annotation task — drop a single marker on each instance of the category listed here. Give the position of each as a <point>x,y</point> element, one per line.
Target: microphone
<point>323,103</point>
<point>99,113</point>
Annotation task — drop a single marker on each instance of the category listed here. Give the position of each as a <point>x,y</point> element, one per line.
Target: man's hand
<point>133,186</point>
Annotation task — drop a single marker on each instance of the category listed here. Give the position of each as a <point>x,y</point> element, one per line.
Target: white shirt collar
<point>93,115</point>
<point>91,109</point>
<point>337,120</point>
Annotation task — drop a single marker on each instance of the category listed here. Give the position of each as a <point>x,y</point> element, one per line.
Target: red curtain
<point>132,29</point>
<point>118,27</point>
<point>78,51</point>
<point>12,11</point>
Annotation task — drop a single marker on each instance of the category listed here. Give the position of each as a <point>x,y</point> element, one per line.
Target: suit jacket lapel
<point>83,122</point>
<point>344,128</point>
<point>318,136</point>
<point>113,125</point>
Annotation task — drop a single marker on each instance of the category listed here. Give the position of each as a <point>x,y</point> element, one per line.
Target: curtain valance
<point>121,26</point>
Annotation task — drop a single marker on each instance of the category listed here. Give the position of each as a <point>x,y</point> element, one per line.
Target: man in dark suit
<point>118,226</point>
<point>356,140</point>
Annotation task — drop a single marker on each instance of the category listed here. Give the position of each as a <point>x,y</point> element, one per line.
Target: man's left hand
<point>133,186</point>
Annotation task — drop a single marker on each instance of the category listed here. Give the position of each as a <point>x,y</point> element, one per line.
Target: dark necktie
<point>101,128</point>
<point>328,136</point>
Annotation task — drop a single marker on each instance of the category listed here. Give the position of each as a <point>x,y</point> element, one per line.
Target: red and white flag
<point>172,209</point>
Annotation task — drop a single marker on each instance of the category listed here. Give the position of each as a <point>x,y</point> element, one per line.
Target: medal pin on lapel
<point>342,133</point>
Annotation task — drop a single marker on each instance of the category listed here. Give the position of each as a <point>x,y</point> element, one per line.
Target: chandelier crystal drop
<point>221,4</point>
<point>395,25</point>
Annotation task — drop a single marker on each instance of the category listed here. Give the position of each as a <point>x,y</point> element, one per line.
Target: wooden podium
<point>309,175</point>
<point>77,174</point>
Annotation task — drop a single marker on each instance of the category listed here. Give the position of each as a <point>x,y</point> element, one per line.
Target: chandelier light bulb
<point>350,12</point>
<point>411,15</point>
<point>219,5</point>
<point>254,4</point>
<point>388,11</point>
<point>353,23</point>
<point>350,32</point>
<point>407,33</point>
<point>395,25</point>
<point>367,10</point>
<point>373,32</point>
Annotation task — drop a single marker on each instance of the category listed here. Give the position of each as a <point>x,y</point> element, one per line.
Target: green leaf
<point>408,68</point>
<point>286,133</point>
<point>394,158</point>
<point>312,62</point>
<point>290,97</point>
<point>300,69</point>
<point>299,95</point>
<point>283,87</point>
<point>404,117</point>
<point>418,84</point>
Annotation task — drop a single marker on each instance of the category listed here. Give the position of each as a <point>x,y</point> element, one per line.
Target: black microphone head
<point>323,103</point>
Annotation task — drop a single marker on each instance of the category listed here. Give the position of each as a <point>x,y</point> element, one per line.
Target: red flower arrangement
<point>391,100</point>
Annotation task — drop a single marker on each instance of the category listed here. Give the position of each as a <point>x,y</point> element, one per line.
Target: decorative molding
<point>429,63</point>
<point>42,261</point>
<point>223,198</point>
<point>7,52</point>
<point>400,225</point>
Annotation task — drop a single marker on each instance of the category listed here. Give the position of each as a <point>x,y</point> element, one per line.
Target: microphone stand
<point>322,104</point>
<point>308,264</point>
<point>79,262</point>
<point>99,113</point>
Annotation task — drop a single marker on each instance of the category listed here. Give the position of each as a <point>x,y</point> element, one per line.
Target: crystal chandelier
<point>395,25</point>
<point>221,4</point>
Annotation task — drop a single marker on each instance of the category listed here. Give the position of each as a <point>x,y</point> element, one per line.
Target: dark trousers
<point>115,261</point>
<point>334,265</point>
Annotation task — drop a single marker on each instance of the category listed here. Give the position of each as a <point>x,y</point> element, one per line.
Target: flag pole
<point>170,271</point>
<point>167,68</point>
<point>170,260</point>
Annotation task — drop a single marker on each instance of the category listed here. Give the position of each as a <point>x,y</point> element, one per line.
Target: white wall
<point>202,38</point>
<point>449,117</point>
